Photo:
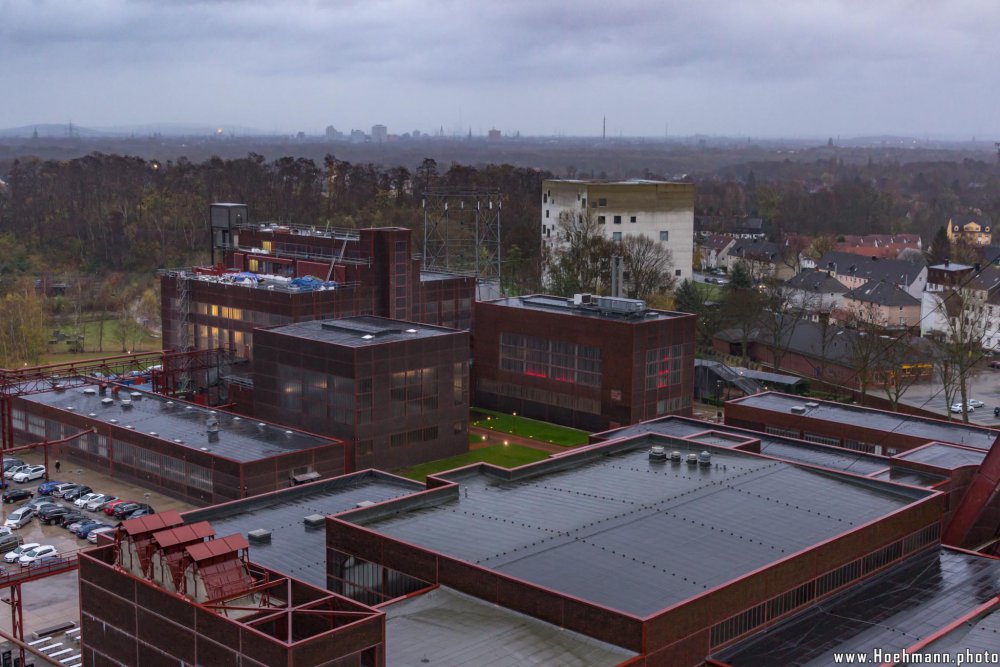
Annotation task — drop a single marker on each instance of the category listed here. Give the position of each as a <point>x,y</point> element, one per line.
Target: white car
<point>15,554</point>
<point>19,517</point>
<point>10,472</point>
<point>975,403</point>
<point>99,500</point>
<point>37,555</point>
<point>82,501</point>
<point>957,408</point>
<point>29,473</point>
<point>92,537</point>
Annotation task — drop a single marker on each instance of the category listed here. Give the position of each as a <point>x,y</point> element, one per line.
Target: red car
<point>109,509</point>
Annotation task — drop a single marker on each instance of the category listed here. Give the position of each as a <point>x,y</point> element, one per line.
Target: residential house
<point>882,304</point>
<point>815,291</point>
<point>972,228</point>
<point>978,295</point>
<point>883,246</point>
<point>853,271</point>
<point>763,258</point>
<point>714,250</point>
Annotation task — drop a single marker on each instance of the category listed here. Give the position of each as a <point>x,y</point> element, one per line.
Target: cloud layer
<point>767,67</point>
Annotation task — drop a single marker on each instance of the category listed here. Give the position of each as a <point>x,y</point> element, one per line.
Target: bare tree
<point>898,366</point>
<point>648,266</point>
<point>778,319</point>
<point>579,261</point>
<point>866,345</point>
<point>966,321</point>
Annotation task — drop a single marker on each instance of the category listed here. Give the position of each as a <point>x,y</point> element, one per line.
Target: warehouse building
<point>185,450</point>
<point>589,362</point>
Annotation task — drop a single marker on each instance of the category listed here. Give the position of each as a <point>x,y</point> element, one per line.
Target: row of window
<point>617,219</point>
<point>664,366</point>
<point>413,437</point>
<point>542,396</point>
<point>553,359</point>
<point>749,620</point>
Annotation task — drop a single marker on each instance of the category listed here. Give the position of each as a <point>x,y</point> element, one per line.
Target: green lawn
<point>508,456</point>
<point>710,292</point>
<point>58,353</point>
<point>528,428</point>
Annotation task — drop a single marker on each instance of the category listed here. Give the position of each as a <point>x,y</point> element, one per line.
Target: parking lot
<point>56,599</point>
<point>984,385</point>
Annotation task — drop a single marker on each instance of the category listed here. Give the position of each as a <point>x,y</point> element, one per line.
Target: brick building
<point>397,391</point>
<point>591,363</point>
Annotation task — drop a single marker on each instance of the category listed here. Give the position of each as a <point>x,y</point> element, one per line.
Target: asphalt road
<point>984,385</point>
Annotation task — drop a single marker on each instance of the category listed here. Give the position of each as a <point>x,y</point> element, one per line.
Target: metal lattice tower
<point>462,231</point>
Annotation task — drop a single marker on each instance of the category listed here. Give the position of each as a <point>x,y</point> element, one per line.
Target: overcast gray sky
<point>736,67</point>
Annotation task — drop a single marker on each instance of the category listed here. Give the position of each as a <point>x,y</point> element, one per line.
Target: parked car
<point>63,488</point>
<point>76,524</point>
<point>11,462</point>
<point>995,363</point>
<point>73,516</point>
<point>142,511</point>
<point>85,526</point>
<point>84,532</point>
<point>975,403</point>
<point>20,517</point>
<point>10,541</point>
<point>97,504</point>
<point>92,537</point>
<point>957,408</point>
<point>121,511</point>
<point>80,490</point>
<point>109,508</point>
<point>38,555</point>
<point>29,473</point>
<point>86,498</point>
<point>46,488</point>
<point>15,554</point>
<point>52,513</point>
<point>13,470</point>
<point>15,495</point>
<point>38,503</point>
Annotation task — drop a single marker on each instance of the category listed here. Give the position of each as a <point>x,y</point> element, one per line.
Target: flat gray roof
<point>789,449</point>
<point>446,627</point>
<point>918,427</point>
<point>565,306</point>
<point>891,611</point>
<point>612,527</point>
<point>360,331</point>
<point>944,455</point>
<point>980,635</point>
<point>183,424</point>
<point>296,550</point>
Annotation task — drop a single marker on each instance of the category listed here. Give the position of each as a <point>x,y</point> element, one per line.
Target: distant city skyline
<point>774,68</point>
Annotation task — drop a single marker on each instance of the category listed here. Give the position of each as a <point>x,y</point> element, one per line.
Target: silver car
<point>20,517</point>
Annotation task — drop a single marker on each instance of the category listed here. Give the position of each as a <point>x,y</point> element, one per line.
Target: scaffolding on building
<point>462,232</point>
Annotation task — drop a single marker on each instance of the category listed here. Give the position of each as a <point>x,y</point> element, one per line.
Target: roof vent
<point>259,536</point>
<point>107,401</point>
<point>675,456</point>
<point>236,419</point>
<point>112,421</point>
<point>135,395</point>
<point>212,424</point>
<point>169,404</point>
<point>178,441</point>
<point>204,449</point>
<point>261,424</point>
<point>692,459</point>
<point>153,433</point>
<point>812,405</point>
<point>657,453</point>
<point>411,331</point>
<point>367,337</point>
<point>129,427</point>
<point>798,409</point>
<point>581,299</point>
<point>363,503</point>
<point>705,458</point>
<point>89,391</point>
<point>60,387</point>
<point>70,408</point>
<point>189,407</point>
<point>314,521</point>
<point>126,403</point>
<point>91,414</point>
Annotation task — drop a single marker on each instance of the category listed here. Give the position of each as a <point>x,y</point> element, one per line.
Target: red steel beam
<point>984,485</point>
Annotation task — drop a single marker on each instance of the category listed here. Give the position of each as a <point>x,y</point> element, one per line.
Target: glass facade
<point>553,359</point>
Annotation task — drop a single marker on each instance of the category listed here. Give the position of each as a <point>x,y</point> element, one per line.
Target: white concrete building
<point>661,210</point>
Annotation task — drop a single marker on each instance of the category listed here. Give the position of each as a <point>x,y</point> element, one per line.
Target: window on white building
<point>664,236</point>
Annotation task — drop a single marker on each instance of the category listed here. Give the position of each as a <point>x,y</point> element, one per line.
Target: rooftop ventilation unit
<point>126,403</point>
<point>112,421</point>
<point>314,521</point>
<point>107,401</point>
<point>582,299</point>
<point>798,409</point>
<point>135,395</point>
<point>259,536</point>
<point>620,306</point>
<point>692,459</point>
<point>60,387</point>
<point>178,441</point>
<point>89,391</point>
<point>657,453</point>
<point>705,458</point>
<point>153,433</point>
<point>169,404</point>
<point>675,456</point>
<point>212,425</point>
<point>411,331</point>
<point>812,405</point>
<point>363,503</point>
<point>70,408</point>
<point>91,414</point>
<point>129,427</point>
